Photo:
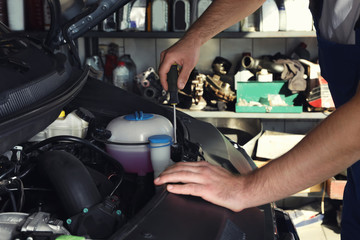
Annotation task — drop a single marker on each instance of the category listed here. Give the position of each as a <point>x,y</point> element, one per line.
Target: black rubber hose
<point>77,140</point>
<point>72,181</point>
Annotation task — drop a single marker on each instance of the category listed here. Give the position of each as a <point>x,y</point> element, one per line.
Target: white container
<point>134,130</point>
<point>296,10</point>
<point>16,15</point>
<point>181,15</point>
<point>159,15</point>
<point>131,66</point>
<point>121,77</point>
<point>160,153</point>
<point>269,17</point>
<point>264,76</point>
<point>70,125</point>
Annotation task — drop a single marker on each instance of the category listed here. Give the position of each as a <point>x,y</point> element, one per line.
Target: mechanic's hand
<point>184,53</point>
<point>213,183</point>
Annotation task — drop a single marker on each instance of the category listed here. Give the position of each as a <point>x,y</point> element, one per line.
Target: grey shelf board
<point>228,114</point>
<point>293,34</point>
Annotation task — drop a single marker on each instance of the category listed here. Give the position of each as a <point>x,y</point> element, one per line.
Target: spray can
<point>159,15</point>
<point>181,15</point>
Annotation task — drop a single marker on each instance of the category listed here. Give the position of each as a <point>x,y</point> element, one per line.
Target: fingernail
<point>181,85</point>
<point>156,180</point>
<point>169,187</point>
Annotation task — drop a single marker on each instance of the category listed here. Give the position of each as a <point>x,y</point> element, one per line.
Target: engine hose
<point>11,199</point>
<point>76,140</point>
<point>2,176</point>
<point>71,180</point>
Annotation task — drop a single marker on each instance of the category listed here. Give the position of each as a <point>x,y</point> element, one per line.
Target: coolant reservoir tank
<point>129,140</point>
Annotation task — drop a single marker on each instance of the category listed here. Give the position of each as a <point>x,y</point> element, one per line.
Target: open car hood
<point>65,185</point>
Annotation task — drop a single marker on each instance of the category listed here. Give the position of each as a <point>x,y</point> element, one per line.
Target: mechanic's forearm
<point>327,150</point>
<point>220,15</point>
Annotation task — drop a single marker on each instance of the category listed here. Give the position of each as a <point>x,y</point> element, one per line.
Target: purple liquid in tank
<point>133,161</point>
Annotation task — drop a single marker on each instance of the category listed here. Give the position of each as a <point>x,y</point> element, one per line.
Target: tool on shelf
<point>172,78</point>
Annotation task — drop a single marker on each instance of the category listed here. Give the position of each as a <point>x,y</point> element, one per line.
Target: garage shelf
<point>228,114</point>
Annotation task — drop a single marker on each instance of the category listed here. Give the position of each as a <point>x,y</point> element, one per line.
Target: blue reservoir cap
<point>138,116</point>
<point>160,139</point>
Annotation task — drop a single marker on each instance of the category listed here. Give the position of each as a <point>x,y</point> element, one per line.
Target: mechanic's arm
<point>220,15</point>
<point>327,150</point>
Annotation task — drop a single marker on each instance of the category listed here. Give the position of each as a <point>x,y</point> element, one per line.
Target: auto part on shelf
<point>148,85</point>
<point>257,64</point>
<point>217,86</point>
<point>191,97</point>
<point>220,89</point>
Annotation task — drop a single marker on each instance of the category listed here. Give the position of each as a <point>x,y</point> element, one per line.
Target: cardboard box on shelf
<point>273,144</point>
<point>335,188</point>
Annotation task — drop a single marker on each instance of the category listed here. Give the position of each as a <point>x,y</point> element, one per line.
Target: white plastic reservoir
<point>130,135</point>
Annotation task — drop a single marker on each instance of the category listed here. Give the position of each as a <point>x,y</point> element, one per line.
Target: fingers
<point>190,172</point>
<point>184,76</point>
<point>183,53</point>
<point>188,189</point>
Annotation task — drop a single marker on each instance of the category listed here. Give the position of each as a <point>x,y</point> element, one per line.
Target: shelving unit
<point>293,34</point>
<point>228,114</point>
<point>92,37</point>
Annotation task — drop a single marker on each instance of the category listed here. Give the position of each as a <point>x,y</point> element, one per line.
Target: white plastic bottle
<point>121,77</point>
<point>16,15</point>
<point>159,15</point>
<point>269,17</point>
<point>131,66</point>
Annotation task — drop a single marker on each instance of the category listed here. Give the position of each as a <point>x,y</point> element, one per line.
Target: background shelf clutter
<point>162,16</point>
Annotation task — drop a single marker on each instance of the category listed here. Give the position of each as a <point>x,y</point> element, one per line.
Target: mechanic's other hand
<point>213,183</point>
<point>184,53</point>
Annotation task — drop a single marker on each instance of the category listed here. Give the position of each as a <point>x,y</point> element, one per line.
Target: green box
<point>259,91</point>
